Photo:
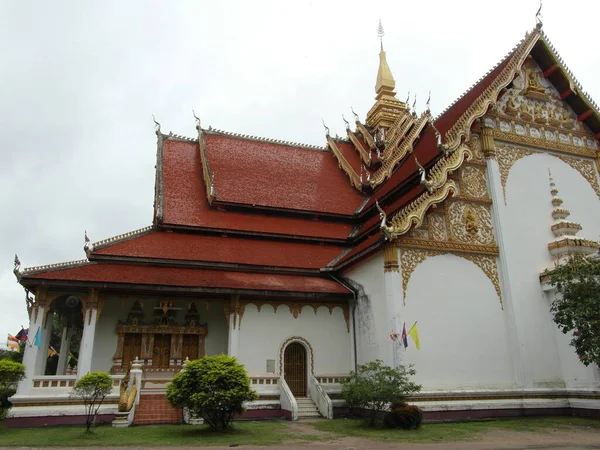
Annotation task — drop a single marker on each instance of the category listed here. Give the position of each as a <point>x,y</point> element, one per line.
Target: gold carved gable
<point>461,225</point>
<point>531,112</point>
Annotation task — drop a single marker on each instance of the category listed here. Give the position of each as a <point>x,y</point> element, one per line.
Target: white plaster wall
<point>115,310</point>
<point>527,233</point>
<point>371,313</point>
<point>461,327</point>
<point>262,334</point>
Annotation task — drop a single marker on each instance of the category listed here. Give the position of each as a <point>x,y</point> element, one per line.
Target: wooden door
<point>161,351</point>
<point>132,347</point>
<point>294,368</point>
<point>190,347</point>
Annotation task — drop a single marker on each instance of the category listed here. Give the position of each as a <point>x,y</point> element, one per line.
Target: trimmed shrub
<point>11,373</point>
<point>401,415</point>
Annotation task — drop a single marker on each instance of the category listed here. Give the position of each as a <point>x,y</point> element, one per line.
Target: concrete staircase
<point>154,408</point>
<point>306,408</point>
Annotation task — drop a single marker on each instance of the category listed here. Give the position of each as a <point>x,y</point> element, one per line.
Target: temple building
<point>309,263</point>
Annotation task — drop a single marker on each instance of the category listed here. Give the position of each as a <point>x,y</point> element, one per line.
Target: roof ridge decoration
<point>462,127</point>
<point>263,139</point>
<point>569,75</point>
<point>90,248</point>
<point>343,163</point>
<point>52,267</point>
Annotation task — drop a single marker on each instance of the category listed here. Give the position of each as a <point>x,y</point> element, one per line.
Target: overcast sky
<point>79,82</point>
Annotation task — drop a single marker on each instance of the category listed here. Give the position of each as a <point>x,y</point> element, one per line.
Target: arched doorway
<point>295,368</point>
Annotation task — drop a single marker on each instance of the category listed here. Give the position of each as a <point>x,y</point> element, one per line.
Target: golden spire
<point>385,84</point>
<point>387,107</point>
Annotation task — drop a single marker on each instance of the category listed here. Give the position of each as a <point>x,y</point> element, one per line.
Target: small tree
<point>11,373</point>
<point>214,387</point>
<point>374,386</point>
<point>577,307</point>
<point>93,389</point>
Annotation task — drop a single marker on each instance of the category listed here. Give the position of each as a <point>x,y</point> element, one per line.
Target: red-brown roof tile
<point>272,175</point>
<point>185,203</point>
<point>227,250</point>
<point>192,278</point>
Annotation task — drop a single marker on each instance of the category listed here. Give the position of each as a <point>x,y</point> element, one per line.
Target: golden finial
<point>380,34</point>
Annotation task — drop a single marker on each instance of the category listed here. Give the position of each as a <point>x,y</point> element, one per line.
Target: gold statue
<point>511,106</point>
<point>533,88</point>
<point>524,111</point>
<point>538,114</point>
<point>471,222</point>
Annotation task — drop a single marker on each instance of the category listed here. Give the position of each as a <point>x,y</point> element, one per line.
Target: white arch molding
<point>410,258</point>
<point>508,155</point>
<point>309,353</point>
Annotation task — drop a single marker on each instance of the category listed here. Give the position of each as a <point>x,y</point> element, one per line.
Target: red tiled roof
<point>185,204</point>
<point>218,249</point>
<point>192,278</point>
<point>272,175</point>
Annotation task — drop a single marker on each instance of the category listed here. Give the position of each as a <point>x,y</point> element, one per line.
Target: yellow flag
<point>414,334</point>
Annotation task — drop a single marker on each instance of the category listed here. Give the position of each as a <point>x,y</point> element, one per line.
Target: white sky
<point>79,82</point>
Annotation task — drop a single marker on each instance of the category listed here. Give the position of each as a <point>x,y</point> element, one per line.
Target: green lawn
<point>243,433</point>
<point>272,432</point>
<point>459,431</point>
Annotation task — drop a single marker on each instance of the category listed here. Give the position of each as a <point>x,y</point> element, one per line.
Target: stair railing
<point>287,400</point>
<point>320,398</point>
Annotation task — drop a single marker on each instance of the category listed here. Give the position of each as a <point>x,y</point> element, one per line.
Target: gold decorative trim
<point>586,168</point>
<point>414,213</point>
<point>543,144</point>
<point>363,152</point>
<point>386,169</point>
<point>344,164</point>
<point>303,341</point>
<point>297,307</point>
<point>410,258</point>
<point>208,179</point>
<point>507,157</point>
<point>448,246</point>
<point>462,127</point>
<point>445,166</point>
<point>487,143</point>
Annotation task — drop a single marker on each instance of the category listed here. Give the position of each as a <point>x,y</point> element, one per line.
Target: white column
<point>46,332</point>
<point>86,348</point>
<point>233,343</point>
<point>32,352</point>
<point>521,369</point>
<point>65,347</point>
<point>394,305</point>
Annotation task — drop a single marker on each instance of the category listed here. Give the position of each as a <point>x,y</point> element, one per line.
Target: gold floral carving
<point>473,182</point>
<point>587,170</point>
<point>470,223</point>
<point>411,258</point>
<point>489,266</point>
<point>437,227</point>
<point>507,157</point>
<point>448,246</point>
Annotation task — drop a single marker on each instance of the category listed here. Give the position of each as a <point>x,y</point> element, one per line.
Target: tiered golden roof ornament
<point>389,133</point>
<point>566,243</point>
